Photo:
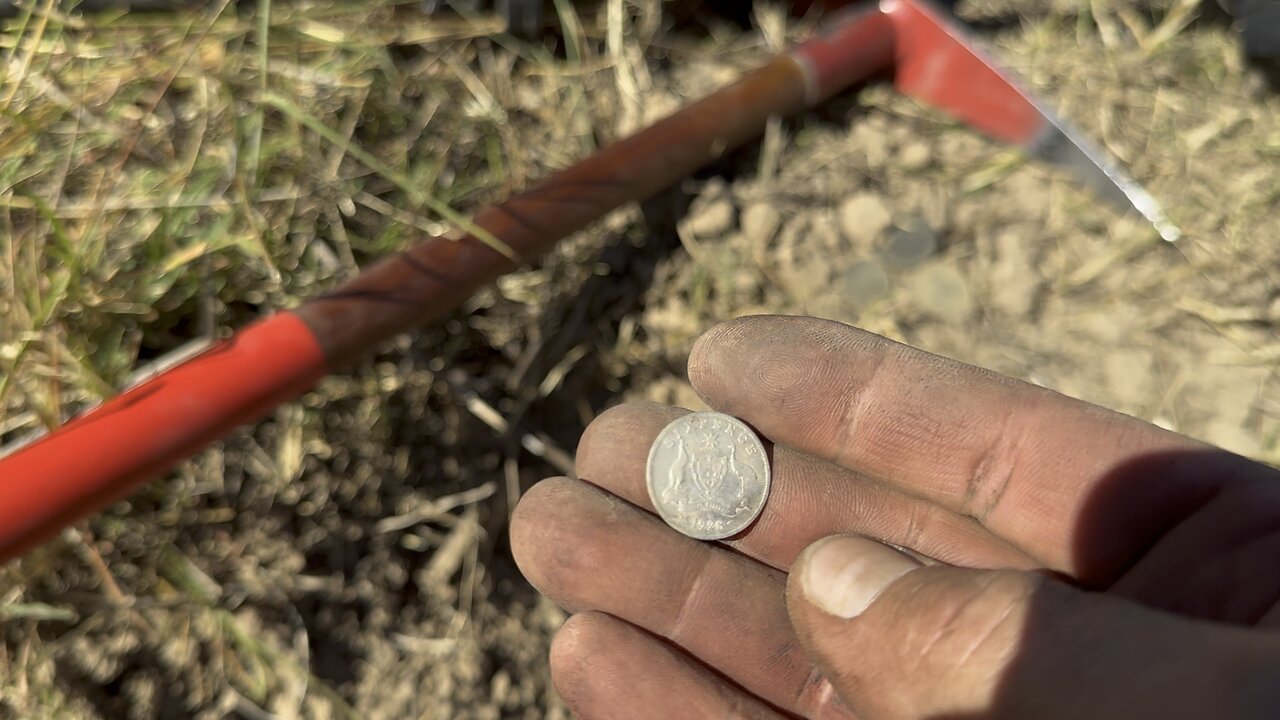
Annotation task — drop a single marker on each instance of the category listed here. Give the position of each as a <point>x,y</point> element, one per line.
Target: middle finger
<point>809,499</point>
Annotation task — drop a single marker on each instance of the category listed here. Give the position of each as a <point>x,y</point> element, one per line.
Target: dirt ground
<point>348,557</point>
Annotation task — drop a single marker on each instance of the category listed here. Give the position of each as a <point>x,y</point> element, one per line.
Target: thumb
<point>898,639</point>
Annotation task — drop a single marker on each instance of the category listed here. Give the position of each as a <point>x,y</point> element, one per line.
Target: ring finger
<point>588,550</point>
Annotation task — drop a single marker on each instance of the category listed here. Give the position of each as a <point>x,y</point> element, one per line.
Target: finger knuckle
<point>553,533</point>
<point>976,622</point>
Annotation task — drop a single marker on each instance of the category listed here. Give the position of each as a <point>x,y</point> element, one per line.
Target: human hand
<point>1064,560</point>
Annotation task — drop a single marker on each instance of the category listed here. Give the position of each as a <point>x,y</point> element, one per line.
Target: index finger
<point>1083,489</point>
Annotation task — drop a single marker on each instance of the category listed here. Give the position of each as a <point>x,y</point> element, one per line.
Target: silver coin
<point>708,475</point>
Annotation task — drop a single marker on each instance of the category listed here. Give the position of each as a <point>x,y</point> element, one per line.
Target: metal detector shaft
<point>108,452</point>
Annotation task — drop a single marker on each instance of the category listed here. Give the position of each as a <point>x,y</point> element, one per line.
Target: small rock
<point>868,137</point>
<point>915,156</point>
<point>671,318</point>
<point>1107,326</point>
<point>941,291</point>
<point>683,395</point>
<point>745,281</point>
<point>803,265</point>
<point>1015,283</point>
<point>529,97</point>
<point>807,276</point>
<point>860,284</point>
<point>793,234</point>
<point>1273,311</point>
<point>864,217</point>
<point>760,222</point>
<point>1130,375</point>
<point>500,688</point>
<point>657,105</point>
<point>1231,436</point>
<point>911,242</point>
<point>709,219</point>
<point>824,236</point>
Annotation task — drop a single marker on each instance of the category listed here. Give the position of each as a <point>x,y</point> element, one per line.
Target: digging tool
<point>104,454</point>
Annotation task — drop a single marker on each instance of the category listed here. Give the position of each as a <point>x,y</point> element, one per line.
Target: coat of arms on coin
<point>708,475</point>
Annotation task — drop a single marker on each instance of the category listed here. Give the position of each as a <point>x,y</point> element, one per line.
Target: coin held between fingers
<point>708,475</point>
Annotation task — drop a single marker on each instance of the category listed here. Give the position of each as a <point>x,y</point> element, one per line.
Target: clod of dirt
<point>1131,375</point>
<point>711,214</point>
<point>760,222</point>
<point>674,391</point>
<point>864,217</point>
<point>1273,311</point>
<point>857,286</point>
<point>803,260</point>
<point>941,291</point>
<point>868,139</point>
<point>1015,282</point>
<point>1231,436</point>
<point>911,241</point>
<point>825,239</point>
<point>915,156</point>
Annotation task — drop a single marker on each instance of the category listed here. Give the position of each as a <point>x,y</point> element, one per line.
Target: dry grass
<point>164,178</point>
<point>168,177</point>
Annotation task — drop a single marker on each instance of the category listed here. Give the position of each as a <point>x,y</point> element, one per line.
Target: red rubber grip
<point>107,453</point>
<point>855,46</point>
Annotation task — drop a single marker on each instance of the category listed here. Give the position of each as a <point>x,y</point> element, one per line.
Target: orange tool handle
<point>103,455</point>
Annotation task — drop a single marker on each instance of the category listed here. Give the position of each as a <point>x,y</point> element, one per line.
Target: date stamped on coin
<point>708,475</point>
